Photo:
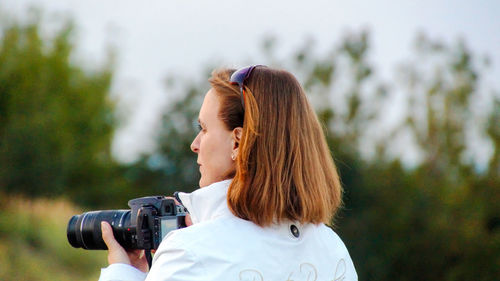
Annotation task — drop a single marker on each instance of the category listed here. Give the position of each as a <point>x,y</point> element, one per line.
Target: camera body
<point>155,217</point>
<point>144,226</point>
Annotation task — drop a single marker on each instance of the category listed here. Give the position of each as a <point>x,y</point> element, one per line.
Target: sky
<point>157,38</point>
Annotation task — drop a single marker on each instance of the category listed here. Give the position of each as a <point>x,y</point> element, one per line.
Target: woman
<point>268,186</point>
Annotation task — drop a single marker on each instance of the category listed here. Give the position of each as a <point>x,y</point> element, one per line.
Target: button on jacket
<point>220,246</point>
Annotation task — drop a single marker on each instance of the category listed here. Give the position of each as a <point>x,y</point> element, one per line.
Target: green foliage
<point>56,120</point>
<point>34,245</point>
<point>440,219</point>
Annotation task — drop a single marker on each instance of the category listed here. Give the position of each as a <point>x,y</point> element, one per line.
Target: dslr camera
<point>142,227</point>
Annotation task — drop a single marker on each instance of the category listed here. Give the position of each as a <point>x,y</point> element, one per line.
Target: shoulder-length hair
<point>284,169</point>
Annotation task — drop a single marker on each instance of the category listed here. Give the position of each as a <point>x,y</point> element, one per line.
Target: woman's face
<point>213,144</point>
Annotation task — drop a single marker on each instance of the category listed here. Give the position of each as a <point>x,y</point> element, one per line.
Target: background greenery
<point>433,217</point>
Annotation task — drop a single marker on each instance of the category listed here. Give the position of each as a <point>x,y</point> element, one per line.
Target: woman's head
<point>283,169</point>
<point>214,143</point>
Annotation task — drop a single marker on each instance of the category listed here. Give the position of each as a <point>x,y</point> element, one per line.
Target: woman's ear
<point>236,134</point>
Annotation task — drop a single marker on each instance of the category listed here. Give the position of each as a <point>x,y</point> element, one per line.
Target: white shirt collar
<point>208,202</point>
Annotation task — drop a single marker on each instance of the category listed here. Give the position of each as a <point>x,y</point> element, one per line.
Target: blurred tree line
<point>434,217</point>
<point>57,122</point>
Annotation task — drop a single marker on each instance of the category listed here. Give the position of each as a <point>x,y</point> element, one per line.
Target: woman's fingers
<point>138,260</point>
<point>116,253</point>
<point>108,237</point>
<point>188,220</point>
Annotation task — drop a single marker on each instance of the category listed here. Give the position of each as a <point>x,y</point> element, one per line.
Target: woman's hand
<point>117,254</point>
<point>188,220</point>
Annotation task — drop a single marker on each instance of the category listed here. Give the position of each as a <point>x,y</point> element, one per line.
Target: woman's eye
<point>197,126</point>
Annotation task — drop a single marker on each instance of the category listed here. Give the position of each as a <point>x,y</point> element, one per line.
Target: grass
<point>33,243</point>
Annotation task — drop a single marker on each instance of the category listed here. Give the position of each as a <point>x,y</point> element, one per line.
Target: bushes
<point>34,245</point>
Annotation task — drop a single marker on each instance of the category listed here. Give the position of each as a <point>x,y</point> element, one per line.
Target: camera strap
<point>148,257</point>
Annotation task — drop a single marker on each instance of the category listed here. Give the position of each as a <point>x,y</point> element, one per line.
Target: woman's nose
<point>195,145</point>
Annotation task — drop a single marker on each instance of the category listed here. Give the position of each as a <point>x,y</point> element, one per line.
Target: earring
<point>233,157</point>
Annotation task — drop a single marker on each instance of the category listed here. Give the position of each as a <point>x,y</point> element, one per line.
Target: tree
<point>56,118</point>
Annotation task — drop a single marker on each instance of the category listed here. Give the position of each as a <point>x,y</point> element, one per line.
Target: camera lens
<point>84,231</point>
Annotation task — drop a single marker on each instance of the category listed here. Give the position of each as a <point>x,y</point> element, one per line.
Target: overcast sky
<point>156,38</point>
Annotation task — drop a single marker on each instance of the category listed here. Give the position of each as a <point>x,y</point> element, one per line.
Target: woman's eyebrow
<point>201,123</point>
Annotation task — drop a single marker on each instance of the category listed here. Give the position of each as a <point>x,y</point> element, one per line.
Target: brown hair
<point>284,169</point>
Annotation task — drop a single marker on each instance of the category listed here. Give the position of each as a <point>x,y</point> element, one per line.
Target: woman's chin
<point>206,182</point>
<point>203,182</point>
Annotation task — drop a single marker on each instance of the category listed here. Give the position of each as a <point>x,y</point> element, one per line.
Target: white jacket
<point>220,246</point>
